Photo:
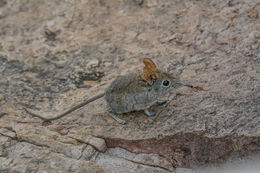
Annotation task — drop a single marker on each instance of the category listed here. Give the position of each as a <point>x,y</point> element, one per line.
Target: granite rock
<point>55,54</point>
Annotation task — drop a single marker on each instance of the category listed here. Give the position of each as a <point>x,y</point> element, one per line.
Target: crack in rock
<point>98,143</point>
<point>190,149</point>
<point>53,140</point>
<point>148,159</point>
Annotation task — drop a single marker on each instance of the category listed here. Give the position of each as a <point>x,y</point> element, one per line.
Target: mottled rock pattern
<point>54,54</point>
<point>28,157</point>
<point>97,143</point>
<point>142,158</point>
<point>118,165</point>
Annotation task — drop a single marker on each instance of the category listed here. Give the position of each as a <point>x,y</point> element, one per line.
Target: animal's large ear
<point>149,71</point>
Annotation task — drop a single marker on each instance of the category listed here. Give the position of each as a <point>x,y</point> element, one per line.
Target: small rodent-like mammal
<point>132,92</point>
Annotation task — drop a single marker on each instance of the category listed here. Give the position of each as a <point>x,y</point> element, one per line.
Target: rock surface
<point>55,54</point>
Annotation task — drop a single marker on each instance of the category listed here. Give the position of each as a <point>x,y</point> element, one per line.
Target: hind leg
<point>111,114</point>
<point>148,113</point>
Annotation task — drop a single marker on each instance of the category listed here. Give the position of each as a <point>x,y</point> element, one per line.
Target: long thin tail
<point>49,118</point>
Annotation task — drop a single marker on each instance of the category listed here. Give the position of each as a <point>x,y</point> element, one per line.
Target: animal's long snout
<point>186,84</point>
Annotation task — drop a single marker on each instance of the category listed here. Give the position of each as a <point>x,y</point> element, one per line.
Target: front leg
<point>161,102</point>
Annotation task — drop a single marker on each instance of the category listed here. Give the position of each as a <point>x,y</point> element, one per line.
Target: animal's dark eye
<point>166,83</point>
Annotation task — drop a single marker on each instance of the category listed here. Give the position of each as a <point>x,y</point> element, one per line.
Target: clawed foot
<point>149,114</point>
<point>160,102</point>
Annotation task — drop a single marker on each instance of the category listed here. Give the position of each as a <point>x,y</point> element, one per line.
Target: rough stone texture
<point>98,143</point>
<point>54,54</point>
<point>142,158</point>
<point>28,157</point>
<point>118,165</point>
